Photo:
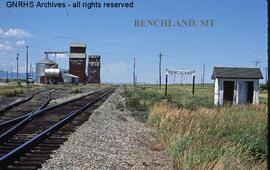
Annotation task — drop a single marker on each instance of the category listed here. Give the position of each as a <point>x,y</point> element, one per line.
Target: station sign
<point>180,72</point>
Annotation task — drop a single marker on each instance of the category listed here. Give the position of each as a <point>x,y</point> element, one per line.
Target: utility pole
<point>17,59</point>
<point>27,65</point>
<point>266,75</point>
<point>166,85</point>
<point>268,101</point>
<point>11,75</point>
<point>7,78</point>
<point>31,70</point>
<point>203,74</point>
<point>134,69</point>
<point>160,55</point>
<point>256,63</point>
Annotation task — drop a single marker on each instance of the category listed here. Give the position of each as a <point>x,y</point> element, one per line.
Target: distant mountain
<point>3,74</point>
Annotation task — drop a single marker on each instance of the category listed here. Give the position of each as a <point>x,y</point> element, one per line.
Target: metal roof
<point>70,75</point>
<point>47,61</point>
<point>237,73</point>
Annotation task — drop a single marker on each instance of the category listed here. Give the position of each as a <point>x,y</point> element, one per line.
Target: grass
<point>13,89</point>
<point>197,135</point>
<point>144,97</point>
<point>208,137</point>
<point>263,96</point>
<point>75,89</point>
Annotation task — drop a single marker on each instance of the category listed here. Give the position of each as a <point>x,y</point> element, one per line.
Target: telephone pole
<point>160,55</point>
<point>256,63</point>
<point>268,101</point>
<point>17,59</point>
<point>266,75</point>
<point>27,65</point>
<point>203,74</point>
<point>134,69</point>
<point>31,70</point>
<point>11,75</point>
<point>7,78</point>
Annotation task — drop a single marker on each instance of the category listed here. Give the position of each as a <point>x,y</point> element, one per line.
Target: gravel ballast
<point>111,139</point>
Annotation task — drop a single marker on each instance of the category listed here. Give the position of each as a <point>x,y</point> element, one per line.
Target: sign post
<point>193,84</point>
<point>166,84</point>
<point>182,73</point>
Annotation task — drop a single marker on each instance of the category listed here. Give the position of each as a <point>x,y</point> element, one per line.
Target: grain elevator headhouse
<point>77,60</point>
<point>94,69</point>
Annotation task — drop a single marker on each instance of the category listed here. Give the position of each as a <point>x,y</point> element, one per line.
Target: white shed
<point>70,78</point>
<point>235,85</point>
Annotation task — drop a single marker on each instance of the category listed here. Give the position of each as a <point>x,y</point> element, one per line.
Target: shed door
<point>250,91</point>
<point>228,91</point>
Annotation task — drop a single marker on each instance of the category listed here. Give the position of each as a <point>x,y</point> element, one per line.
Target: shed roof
<point>237,73</point>
<point>70,75</point>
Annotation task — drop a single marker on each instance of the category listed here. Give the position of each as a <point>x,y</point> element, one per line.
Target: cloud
<point>20,43</point>
<point>1,31</point>
<point>5,46</point>
<point>16,32</point>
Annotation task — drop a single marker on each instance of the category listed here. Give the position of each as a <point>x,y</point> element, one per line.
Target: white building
<point>235,85</point>
<point>70,79</point>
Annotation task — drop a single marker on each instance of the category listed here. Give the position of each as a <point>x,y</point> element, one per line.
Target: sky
<point>238,37</point>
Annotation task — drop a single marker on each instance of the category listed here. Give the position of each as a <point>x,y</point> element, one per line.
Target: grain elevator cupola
<point>77,60</point>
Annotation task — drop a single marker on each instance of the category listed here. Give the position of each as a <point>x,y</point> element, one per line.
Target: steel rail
<point>5,136</point>
<point>17,152</point>
<point>20,118</point>
<point>6,108</point>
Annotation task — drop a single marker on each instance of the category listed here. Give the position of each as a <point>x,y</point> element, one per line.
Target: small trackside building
<point>236,85</point>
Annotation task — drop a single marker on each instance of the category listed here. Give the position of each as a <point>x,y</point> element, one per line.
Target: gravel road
<point>111,139</point>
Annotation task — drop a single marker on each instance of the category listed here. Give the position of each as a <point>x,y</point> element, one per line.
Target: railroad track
<point>18,111</point>
<point>21,102</point>
<point>28,144</point>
